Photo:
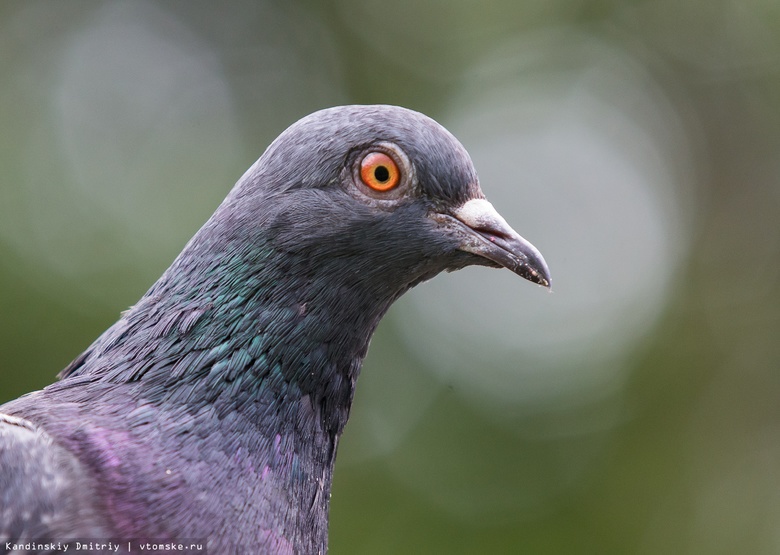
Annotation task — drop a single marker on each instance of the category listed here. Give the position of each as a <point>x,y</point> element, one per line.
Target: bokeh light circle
<point>598,186</point>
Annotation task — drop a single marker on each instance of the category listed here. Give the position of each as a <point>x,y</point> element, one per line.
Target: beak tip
<point>536,271</point>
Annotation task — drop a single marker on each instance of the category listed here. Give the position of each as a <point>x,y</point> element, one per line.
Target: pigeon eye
<point>379,172</point>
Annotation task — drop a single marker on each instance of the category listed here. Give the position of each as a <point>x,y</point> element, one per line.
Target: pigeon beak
<point>489,236</point>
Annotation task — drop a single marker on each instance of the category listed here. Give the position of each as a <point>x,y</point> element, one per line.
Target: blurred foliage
<point>635,410</point>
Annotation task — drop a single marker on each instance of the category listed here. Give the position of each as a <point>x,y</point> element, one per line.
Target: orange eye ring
<point>379,171</point>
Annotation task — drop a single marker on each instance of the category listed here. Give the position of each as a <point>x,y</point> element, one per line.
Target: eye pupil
<point>382,174</point>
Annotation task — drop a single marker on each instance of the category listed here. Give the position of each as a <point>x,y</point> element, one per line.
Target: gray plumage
<point>212,409</point>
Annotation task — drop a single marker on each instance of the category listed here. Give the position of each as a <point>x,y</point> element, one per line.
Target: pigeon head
<point>378,193</point>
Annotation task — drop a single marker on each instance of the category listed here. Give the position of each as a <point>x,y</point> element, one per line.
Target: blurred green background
<point>633,410</point>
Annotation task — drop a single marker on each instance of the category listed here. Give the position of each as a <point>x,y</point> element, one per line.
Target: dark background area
<point>633,410</point>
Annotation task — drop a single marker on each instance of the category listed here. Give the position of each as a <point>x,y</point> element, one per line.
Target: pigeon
<point>212,409</point>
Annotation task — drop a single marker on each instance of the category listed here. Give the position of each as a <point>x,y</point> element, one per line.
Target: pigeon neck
<point>244,331</point>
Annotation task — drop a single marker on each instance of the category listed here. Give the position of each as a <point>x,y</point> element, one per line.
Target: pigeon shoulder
<point>43,487</point>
